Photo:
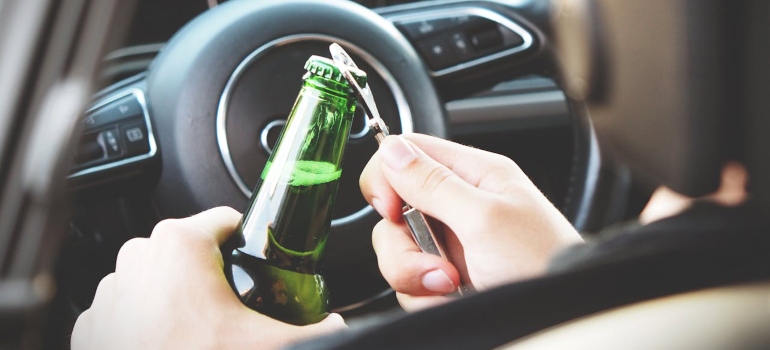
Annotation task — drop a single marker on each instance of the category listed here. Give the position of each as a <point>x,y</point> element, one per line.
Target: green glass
<point>273,261</point>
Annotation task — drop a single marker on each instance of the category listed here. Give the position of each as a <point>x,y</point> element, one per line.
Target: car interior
<point>115,115</point>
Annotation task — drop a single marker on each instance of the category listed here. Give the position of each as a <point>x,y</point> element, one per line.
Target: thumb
<point>219,222</point>
<point>332,323</point>
<point>292,335</point>
<point>427,184</point>
<point>267,333</point>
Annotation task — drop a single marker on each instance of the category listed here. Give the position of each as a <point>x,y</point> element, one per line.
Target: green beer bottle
<point>272,262</point>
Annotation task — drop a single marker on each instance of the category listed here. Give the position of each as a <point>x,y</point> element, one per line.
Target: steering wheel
<point>215,99</point>
<point>222,85</point>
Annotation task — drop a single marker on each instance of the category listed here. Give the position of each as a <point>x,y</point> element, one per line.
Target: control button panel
<point>116,131</point>
<point>437,52</point>
<point>135,136</point>
<point>462,36</point>
<point>123,108</point>
<point>425,28</point>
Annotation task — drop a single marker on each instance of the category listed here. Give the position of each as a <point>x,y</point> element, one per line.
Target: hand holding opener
<point>415,219</point>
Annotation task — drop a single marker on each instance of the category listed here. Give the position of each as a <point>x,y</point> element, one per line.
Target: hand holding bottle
<point>169,292</point>
<point>498,227</point>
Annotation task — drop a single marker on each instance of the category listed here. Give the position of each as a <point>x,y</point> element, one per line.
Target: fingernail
<point>396,152</point>
<point>380,208</point>
<point>438,281</point>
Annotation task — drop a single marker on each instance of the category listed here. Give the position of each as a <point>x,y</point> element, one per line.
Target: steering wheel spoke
<point>117,142</point>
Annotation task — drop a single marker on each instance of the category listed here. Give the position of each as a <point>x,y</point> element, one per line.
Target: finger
<point>406,268</point>
<point>482,169</point>
<point>412,303</point>
<point>104,292</point>
<point>218,223</point>
<point>264,332</point>
<point>332,323</point>
<point>81,332</point>
<point>131,253</point>
<point>378,192</point>
<point>430,186</point>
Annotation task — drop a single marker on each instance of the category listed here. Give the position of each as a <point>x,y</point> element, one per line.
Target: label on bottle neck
<point>309,172</point>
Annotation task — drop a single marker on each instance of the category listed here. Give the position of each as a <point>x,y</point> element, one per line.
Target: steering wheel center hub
<point>264,86</point>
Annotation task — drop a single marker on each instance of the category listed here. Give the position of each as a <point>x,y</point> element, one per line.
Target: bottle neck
<point>288,220</point>
<point>328,86</point>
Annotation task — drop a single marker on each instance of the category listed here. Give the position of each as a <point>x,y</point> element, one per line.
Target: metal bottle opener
<point>415,219</point>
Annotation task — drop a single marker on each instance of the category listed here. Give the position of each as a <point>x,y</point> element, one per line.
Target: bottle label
<point>309,172</point>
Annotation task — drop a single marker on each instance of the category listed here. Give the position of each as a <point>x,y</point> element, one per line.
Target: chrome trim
<point>405,113</point>
<point>419,5</point>
<point>521,106</point>
<point>263,135</point>
<point>134,51</point>
<point>477,11</point>
<point>353,217</point>
<point>282,122</point>
<point>150,134</point>
<point>364,129</point>
<point>364,302</point>
<point>591,179</point>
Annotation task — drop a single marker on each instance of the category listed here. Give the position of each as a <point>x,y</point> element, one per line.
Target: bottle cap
<point>324,67</point>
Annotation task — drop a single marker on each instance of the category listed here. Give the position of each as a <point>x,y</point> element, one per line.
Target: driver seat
<point>734,317</point>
